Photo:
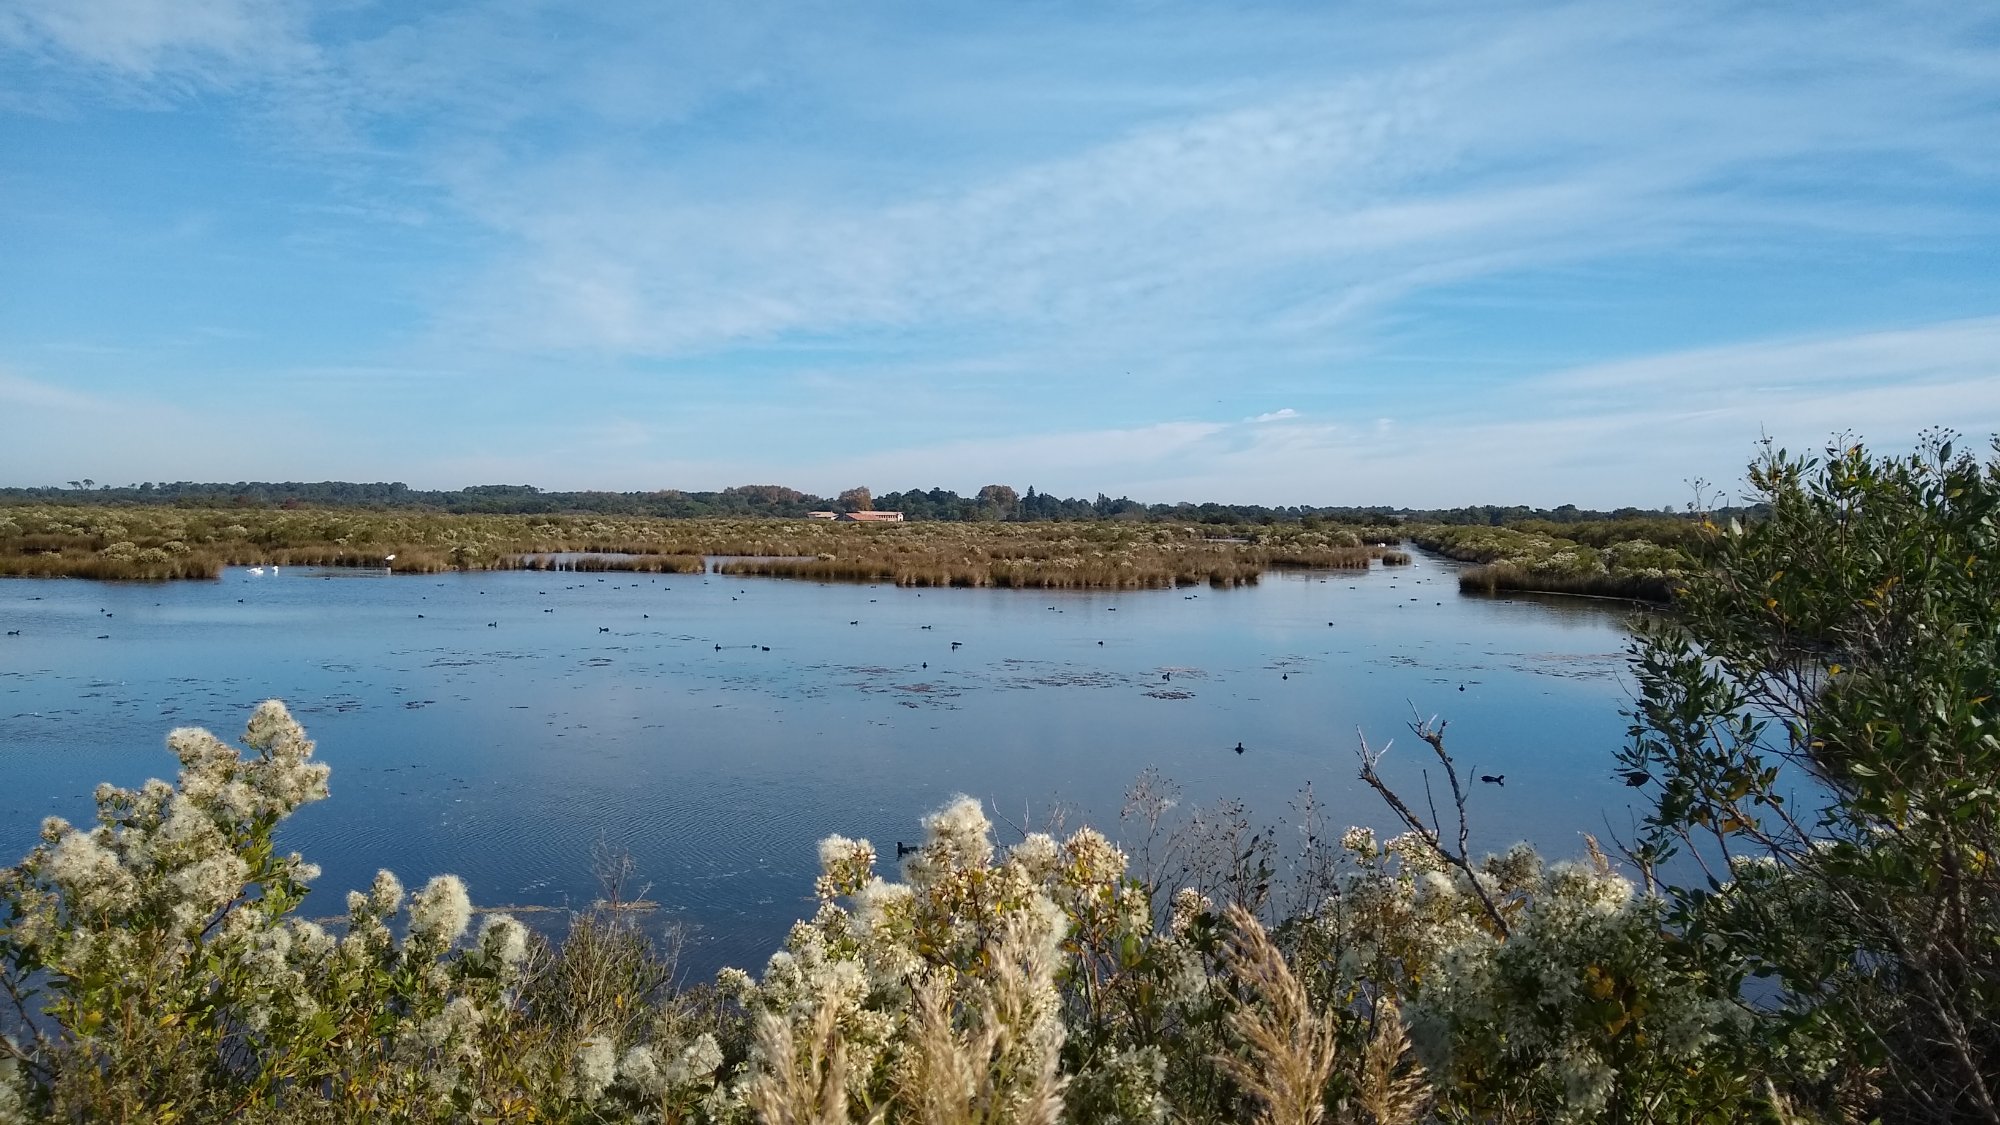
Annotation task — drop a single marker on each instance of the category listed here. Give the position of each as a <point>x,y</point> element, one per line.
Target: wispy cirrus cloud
<point>184,44</point>
<point>24,393</point>
<point>1482,242</point>
<point>1951,352</point>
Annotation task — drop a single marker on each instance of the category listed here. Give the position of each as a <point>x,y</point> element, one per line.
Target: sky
<point>1422,254</point>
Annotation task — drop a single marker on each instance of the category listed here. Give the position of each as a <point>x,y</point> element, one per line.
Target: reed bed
<point>1495,578</point>
<point>1067,564</point>
<point>169,543</point>
<point>1003,573</point>
<point>1330,558</point>
<point>65,564</point>
<point>643,564</point>
<point>1536,559</point>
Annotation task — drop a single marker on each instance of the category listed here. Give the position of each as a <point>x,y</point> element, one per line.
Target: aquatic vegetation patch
<point>169,543</point>
<point>1543,558</point>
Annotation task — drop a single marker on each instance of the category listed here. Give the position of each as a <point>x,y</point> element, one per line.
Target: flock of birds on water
<point>1165,676</point>
<point>433,785</point>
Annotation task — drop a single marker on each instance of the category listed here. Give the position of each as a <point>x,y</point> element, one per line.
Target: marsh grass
<point>1495,578</point>
<point>1641,560</point>
<point>66,564</point>
<point>170,543</point>
<point>644,564</point>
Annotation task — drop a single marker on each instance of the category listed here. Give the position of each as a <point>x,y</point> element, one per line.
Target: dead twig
<point>1432,733</point>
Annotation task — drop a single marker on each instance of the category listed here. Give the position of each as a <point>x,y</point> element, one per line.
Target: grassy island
<point>174,543</point>
<point>1638,559</point>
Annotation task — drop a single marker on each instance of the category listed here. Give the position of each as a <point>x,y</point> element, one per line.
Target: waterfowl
<point>1239,746</point>
<point>903,849</point>
<point>1499,779</point>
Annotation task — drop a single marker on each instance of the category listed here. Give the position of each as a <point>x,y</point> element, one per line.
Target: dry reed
<point>791,1088</point>
<point>1493,578</point>
<point>1390,1089</point>
<point>164,543</point>
<point>1002,1070</point>
<point>1291,1047</point>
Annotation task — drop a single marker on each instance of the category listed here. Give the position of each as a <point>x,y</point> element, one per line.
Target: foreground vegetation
<point>1813,729</point>
<point>168,543</point>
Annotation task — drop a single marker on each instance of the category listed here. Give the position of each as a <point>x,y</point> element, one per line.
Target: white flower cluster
<point>956,986</point>
<point>177,899</point>
<point>1580,968</point>
<point>868,964</point>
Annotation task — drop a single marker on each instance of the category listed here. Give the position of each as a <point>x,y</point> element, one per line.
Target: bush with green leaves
<point>1817,725</point>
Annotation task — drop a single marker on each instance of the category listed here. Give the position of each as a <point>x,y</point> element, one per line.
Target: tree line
<point>994,502</point>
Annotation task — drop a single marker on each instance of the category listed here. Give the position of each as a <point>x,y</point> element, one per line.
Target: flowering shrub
<point>159,973</point>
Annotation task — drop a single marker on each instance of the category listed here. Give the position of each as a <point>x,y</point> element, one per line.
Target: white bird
<point>256,570</point>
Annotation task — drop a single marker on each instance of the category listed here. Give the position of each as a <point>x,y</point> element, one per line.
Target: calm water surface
<point>499,725</point>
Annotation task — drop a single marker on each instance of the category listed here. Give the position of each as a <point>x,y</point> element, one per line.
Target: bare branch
<point>1433,734</point>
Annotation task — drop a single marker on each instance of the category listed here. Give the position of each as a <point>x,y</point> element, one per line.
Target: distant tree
<point>765,495</point>
<point>858,499</point>
<point>76,484</point>
<point>88,483</point>
<point>998,501</point>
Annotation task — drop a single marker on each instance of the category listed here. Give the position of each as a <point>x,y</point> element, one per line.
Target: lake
<point>501,725</point>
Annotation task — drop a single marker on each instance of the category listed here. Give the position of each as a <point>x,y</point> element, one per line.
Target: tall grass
<point>168,543</point>
<point>644,564</point>
<point>1585,558</point>
<point>65,564</point>
<point>1494,578</point>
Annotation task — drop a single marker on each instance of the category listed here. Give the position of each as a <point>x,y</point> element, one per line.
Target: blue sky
<point>1421,253</point>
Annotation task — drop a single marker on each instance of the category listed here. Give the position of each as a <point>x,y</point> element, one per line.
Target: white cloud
<point>24,393</point>
<point>1295,213</point>
<point>209,41</point>
<point>1962,349</point>
<point>968,213</point>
